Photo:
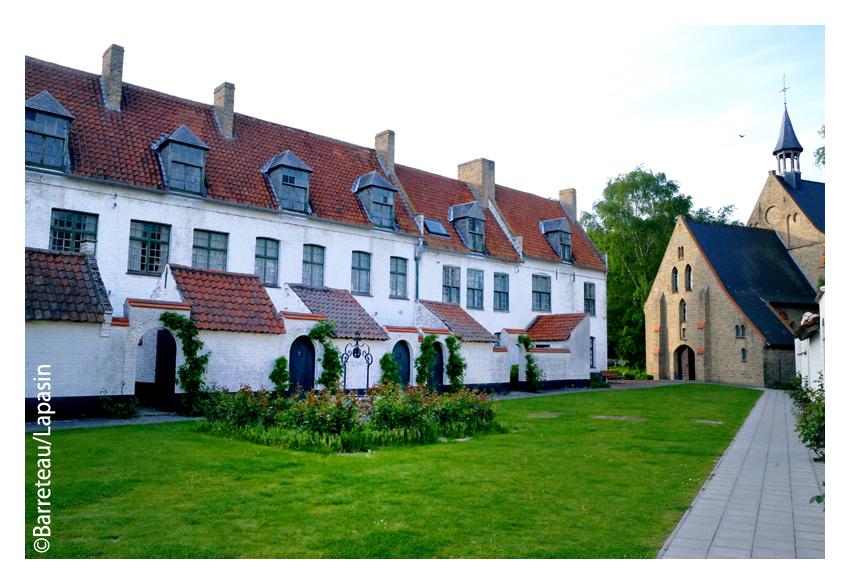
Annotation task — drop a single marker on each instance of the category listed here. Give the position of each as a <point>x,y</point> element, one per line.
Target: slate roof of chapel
<point>227,301</point>
<point>459,321</point>
<point>60,286</point>
<point>554,327</point>
<point>811,198</point>
<point>340,307</point>
<point>755,268</point>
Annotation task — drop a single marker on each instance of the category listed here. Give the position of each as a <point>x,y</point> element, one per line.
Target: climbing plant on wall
<point>389,370</point>
<point>534,375</point>
<point>332,360</point>
<point>191,373</point>
<point>456,365</point>
<point>426,360</point>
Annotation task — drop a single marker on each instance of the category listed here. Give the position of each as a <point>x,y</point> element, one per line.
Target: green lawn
<point>568,487</point>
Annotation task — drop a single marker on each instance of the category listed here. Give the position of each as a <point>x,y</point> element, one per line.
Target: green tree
<point>426,360</point>
<point>820,153</point>
<point>632,223</point>
<point>389,370</point>
<point>456,366</point>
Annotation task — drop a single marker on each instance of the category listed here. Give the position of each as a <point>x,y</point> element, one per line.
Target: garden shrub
<point>389,370</point>
<point>332,359</point>
<point>596,384</point>
<point>426,360</point>
<point>123,408</point>
<point>534,376</point>
<point>456,365</point>
<point>280,375</point>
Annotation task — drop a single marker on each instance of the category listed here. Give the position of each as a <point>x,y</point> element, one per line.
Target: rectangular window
<point>564,240</point>
<point>209,250</point>
<point>590,298</point>
<point>451,284</point>
<point>187,164</point>
<point>44,142</point>
<point>592,357</point>
<point>474,288</point>
<point>313,267</point>
<point>361,264</point>
<point>382,207</point>
<point>500,292</point>
<point>293,189</point>
<point>67,229</point>
<point>498,342</point>
<point>398,277</point>
<point>476,234</point>
<point>266,254</point>
<point>541,293</point>
<point>148,247</point>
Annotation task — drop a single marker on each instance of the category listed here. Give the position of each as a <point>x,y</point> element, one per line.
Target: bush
<point>322,412</point>
<point>280,375</point>
<point>426,360</point>
<point>596,384</point>
<point>244,407</point>
<point>632,373</point>
<point>389,370</point>
<point>332,359</point>
<point>456,365</point>
<point>123,408</point>
<point>534,376</point>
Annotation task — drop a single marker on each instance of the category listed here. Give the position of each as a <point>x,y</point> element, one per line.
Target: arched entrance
<point>436,381</point>
<point>156,360</point>
<point>401,356</point>
<point>684,363</point>
<point>302,364</point>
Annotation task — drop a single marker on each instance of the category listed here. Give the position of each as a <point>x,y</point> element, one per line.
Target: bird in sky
<point>741,135</point>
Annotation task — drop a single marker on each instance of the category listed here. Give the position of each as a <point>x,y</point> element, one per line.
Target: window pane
<point>67,229</point>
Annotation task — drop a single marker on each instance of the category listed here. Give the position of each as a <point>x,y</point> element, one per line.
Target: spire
<point>787,147</point>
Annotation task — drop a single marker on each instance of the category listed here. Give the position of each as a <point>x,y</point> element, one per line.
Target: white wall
<point>242,358</point>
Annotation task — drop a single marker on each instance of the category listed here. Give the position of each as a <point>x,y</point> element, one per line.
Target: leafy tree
<point>426,360</point>
<point>280,375</point>
<point>456,365</point>
<point>632,223</point>
<point>820,153</point>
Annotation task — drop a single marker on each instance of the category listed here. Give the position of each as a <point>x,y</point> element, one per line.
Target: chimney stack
<point>481,176</point>
<point>87,244</point>
<point>113,73</point>
<point>568,202</point>
<point>223,103</point>
<point>385,147</point>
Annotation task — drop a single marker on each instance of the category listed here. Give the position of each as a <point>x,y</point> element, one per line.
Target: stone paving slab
<point>106,422</point>
<point>756,501</point>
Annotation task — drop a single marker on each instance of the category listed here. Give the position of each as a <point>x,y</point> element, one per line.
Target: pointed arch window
<point>744,355</point>
<point>689,278</point>
<point>683,311</point>
<point>675,280</point>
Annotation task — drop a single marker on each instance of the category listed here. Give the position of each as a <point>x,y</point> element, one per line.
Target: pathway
<point>756,501</point>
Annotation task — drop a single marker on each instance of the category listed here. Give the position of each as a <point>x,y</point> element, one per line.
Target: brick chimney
<point>568,202</point>
<point>87,246</point>
<point>223,103</point>
<point>481,176</point>
<point>113,73</point>
<point>385,147</point>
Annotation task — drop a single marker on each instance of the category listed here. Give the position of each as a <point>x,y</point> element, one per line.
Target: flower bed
<point>336,420</point>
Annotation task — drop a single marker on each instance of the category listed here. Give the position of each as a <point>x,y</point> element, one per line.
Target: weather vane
<point>783,90</point>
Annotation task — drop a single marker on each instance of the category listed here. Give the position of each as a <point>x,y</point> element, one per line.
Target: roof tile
<point>459,321</point>
<point>59,287</point>
<point>341,308</point>
<point>554,327</point>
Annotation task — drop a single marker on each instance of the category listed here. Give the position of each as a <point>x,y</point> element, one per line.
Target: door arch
<point>302,364</point>
<point>401,356</point>
<point>436,381</point>
<point>685,363</point>
<point>156,363</point>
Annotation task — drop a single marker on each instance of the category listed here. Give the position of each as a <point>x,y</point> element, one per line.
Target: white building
<point>810,341</point>
<point>195,208</point>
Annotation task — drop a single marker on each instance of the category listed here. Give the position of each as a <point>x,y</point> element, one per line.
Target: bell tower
<point>788,148</point>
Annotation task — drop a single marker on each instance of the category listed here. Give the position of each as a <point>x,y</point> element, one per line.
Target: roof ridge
<point>208,270</point>
<point>708,224</point>
<point>291,284</point>
<point>55,252</point>
<point>431,173</point>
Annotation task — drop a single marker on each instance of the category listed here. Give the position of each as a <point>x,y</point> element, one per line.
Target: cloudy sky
<point>556,99</point>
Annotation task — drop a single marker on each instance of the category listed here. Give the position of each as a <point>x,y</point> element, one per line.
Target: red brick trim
<point>515,331</point>
<point>500,349</point>
<point>701,324</point>
<point>302,316</point>
<point>656,328</point>
<point>138,303</point>
<point>700,350</point>
<point>120,321</point>
<point>436,331</point>
<point>401,329</point>
<point>549,351</point>
<point>656,351</point>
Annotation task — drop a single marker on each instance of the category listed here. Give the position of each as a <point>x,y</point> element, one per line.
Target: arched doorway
<point>436,381</point>
<point>302,364</point>
<point>156,360</point>
<point>401,356</point>
<point>684,363</point>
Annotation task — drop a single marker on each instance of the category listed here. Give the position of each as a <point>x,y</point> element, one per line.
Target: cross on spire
<point>783,90</point>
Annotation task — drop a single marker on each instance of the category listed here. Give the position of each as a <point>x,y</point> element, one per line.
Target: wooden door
<point>401,356</point>
<point>302,364</point>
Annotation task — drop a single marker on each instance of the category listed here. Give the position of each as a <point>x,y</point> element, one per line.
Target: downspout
<point>416,256</point>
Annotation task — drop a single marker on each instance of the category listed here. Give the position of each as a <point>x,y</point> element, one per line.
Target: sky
<point>554,101</point>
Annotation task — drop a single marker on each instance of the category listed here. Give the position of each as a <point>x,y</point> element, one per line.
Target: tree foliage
<point>456,365</point>
<point>632,223</point>
<point>820,153</point>
<point>425,361</point>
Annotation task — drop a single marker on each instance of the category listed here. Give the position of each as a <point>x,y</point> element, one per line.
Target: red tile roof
<point>60,286</point>
<point>226,301</point>
<point>554,327</point>
<point>459,321</point>
<point>524,211</point>
<point>341,308</point>
<point>432,195</point>
<point>116,146</point>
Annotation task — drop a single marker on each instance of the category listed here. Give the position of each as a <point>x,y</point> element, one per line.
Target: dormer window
<point>47,125</point>
<point>183,157</point>
<point>559,235</point>
<point>290,180</point>
<point>469,219</point>
<point>378,197</point>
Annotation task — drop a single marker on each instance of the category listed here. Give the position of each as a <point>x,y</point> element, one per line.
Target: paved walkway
<point>146,416</point>
<point>756,501</point>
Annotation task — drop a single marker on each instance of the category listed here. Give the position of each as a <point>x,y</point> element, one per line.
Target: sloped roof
<point>341,308</point>
<point>787,138</point>
<point>754,268</point>
<point>44,102</point>
<point>524,212</point>
<point>459,321</point>
<point>61,286</point>
<point>554,327</point>
<point>227,301</point>
<point>433,195</point>
<point>116,146</point>
<point>811,198</point>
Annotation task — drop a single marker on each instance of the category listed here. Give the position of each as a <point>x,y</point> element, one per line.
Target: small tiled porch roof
<point>554,327</point>
<point>341,308</point>
<point>459,321</point>
<point>61,286</point>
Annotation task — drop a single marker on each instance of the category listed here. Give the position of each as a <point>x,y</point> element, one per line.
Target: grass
<point>568,487</point>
